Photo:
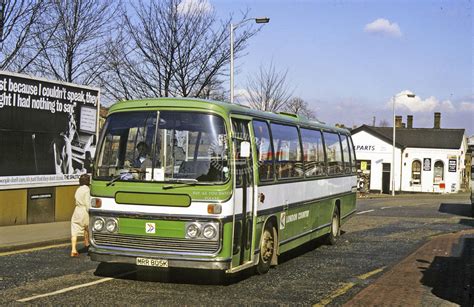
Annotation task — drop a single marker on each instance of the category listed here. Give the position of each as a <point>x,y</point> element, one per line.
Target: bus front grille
<point>157,244</point>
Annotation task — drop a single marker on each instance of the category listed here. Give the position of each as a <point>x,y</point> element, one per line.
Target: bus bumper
<point>100,255</point>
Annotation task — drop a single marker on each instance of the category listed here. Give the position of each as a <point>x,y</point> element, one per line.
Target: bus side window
<point>333,153</point>
<point>313,152</point>
<point>345,154</point>
<point>288,158</point>
<point>264,150</point>
<point>353,156</point>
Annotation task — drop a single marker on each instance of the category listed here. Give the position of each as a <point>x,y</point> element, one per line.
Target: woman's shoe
<point>74,254</point>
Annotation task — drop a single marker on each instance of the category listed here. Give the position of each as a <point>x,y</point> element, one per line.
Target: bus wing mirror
<point>245,149</point>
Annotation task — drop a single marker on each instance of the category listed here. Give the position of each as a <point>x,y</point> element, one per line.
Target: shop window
<point>286,143</point>
<point>438,174</point>
<point>363,165</point>
<point>416,172</point>
<point>363,175</point>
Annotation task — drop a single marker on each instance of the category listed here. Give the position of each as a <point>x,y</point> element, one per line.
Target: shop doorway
<point>386,178</point>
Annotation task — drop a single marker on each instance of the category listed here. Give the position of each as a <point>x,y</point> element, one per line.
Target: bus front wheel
<point>267,249</point>
<point>335,232</point>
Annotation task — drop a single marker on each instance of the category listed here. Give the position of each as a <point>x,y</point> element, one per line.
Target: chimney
<point>437,120</point>
<point>398,121</point>
<point>409,121</point>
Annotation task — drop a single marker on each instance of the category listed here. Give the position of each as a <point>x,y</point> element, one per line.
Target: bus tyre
<point>331,238</point>
<point>267,249</point>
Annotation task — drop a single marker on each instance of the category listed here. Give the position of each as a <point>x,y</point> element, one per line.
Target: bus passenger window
<point>287,147</point>
<point>353,156</point>
<point>333,153</point>
<point>264,150</point>
<point>345,154</point>
<point>313,153</point>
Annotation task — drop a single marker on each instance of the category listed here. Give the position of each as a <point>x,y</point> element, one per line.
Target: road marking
<point>367,275</point>
<point>367,211</point>
<point>33,249</point>
<point>346,287</point>
<point>338,292</point>
<point>75,287</point>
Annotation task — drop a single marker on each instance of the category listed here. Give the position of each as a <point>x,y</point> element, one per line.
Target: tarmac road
<point>383,234</point>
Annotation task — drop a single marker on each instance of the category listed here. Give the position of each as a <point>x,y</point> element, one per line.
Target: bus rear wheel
<point>335,232</point>
<point>267,249</point>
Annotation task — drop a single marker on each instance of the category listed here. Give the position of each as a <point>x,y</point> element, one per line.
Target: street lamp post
<point>232,28</point>
<point>392,174</point>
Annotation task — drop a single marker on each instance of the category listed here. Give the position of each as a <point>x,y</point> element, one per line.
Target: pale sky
<point>347,59</point>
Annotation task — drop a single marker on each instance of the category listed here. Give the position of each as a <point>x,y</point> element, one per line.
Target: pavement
<point>439,272</point>
<point>18,237</point>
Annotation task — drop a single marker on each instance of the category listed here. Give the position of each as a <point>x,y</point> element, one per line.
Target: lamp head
<point>262,20</point>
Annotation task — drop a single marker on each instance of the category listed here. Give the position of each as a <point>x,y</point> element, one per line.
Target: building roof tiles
<point>418,137</point>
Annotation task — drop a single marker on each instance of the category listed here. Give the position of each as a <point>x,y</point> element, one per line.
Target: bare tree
<point>21,23</point>
<point>214,90</point>
<point>167,49</point>
<point>268,90</point>
<point>75,52</point>
<point>297,105</point>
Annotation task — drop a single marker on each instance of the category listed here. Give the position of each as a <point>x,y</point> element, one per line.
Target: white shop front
<point>426,159</point>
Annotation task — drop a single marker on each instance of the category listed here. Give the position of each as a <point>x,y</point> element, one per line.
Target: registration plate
<point>161,263</point>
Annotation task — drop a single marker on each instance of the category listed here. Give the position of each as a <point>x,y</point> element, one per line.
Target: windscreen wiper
<point>115,178</point>
<point>186,183</point>
<point>183,182</point>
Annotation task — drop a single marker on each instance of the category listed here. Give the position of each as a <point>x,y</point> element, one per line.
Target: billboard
<point>48,130</point>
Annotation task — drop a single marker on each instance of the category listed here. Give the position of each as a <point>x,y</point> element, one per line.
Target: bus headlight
<point>111,225</point>
<point>209,231</point>
<point>98,224</point>
<point>193,230</point>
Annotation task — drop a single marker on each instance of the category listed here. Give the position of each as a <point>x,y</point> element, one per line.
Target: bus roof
<point>225,107</point>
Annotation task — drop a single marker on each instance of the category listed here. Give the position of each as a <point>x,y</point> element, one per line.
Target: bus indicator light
<point>214,209</point>
<point>96,202</point>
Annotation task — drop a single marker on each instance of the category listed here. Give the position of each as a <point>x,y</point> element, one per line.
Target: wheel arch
<point>272,220</point>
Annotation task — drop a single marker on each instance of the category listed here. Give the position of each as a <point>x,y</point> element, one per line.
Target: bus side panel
<point>348,206</point>
<point>326,208</point>
<point>297,221</point>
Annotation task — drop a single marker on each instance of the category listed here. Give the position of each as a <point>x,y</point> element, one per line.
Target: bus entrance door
<point>244,204</point>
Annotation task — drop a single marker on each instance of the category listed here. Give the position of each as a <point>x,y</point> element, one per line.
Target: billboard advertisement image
<point>48,130</point>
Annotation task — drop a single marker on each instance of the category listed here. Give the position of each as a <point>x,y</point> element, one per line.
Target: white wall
<point>369,147</point>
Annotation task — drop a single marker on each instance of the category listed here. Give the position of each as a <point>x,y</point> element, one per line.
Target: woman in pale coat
<point>80,217</point>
